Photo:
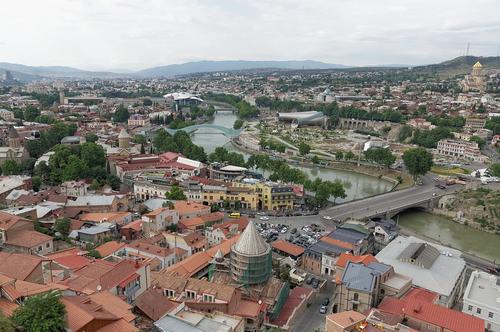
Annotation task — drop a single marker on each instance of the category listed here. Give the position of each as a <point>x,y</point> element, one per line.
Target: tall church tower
<point>14,140</point>
<point>123,139</point>
<point>477,69</point>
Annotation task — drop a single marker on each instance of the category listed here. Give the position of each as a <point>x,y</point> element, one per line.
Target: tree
<point>139,139</point>
<point>337,190</point>
<point>405,132</point>
<point>495,169</point>
<point>480,142</point>
<point>31,113</point>
<point>238,124</point>
<point>36,182</point>
<point>315,159</point>
<point>214,207</point>
<point>175,193</point>
<point>380,156</point>
<point>339,155</point>
<point>10,167</point>
<point>5,324</point>
<point>349,155</point>
<point>62,225</point>
<point>147,102</point>
<point>94,253</point>
<point>121,114</point>
<point>418,161</point>
<point>304,148</point>
<point>163,141</point>
<point>91,137</point>
<point>93,154</point>
<point>41,313</point>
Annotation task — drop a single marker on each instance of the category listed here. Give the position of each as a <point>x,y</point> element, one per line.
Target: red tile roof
<point>297,295</point>
<point>288,247</point>
<point>338,243</point>
<point>344,258</point>
<point>8,220</point>
<point>19,266</point>
<point>28,239</point>
<point>135,225</point>
<point>433,314</point>
<point>109,247</point>
<point>421,294</point>
<point>153,304</point>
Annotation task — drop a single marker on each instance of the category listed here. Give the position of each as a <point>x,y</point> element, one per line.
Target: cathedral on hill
<point>475,81</point>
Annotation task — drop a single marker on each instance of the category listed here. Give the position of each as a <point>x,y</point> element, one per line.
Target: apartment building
<point>481,300</point>
<point>458,149</point>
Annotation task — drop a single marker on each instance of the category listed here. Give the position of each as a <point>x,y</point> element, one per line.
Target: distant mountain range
<point>25,73</point>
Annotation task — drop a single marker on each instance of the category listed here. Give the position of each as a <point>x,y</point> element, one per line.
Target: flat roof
<point>440,277</point>
<point>483,288</point>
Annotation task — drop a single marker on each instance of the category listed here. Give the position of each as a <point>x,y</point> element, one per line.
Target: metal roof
<point>421,254</point>
<point>359,277</point>
<point>250,242</point>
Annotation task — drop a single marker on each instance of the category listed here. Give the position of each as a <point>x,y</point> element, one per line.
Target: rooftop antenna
<point>468,49</point>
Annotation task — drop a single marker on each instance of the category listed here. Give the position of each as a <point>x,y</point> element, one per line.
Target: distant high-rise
<point>7,77</point>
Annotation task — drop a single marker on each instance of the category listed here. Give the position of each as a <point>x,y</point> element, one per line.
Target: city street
<point>311,319</point>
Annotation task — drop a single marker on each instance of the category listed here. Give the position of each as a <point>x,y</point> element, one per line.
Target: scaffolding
<point>282,296</point>
<point>251,270</point>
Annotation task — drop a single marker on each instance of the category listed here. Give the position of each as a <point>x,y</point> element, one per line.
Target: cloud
<point>136,34</point>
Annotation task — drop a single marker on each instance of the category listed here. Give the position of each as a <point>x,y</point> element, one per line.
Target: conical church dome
<point>250,242</point>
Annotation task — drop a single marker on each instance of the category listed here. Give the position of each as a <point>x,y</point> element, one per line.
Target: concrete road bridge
<point>389,204</point>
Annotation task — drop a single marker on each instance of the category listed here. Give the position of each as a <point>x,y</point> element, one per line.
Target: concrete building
<point>138,120</point>
<point>481,299</point>
<point>226,172</point>
<point>271,196</point>
<point>434,267</point>
<point>474,123</point>
<point>459,149</point>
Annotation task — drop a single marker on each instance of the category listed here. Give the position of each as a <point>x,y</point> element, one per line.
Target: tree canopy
<point>121,114</point>
<point>221,155</point>
<point>304,148</point>
<point>418,161</point>
<point>41,313</point>
<point>180,142</point>
<point>380,156</point>
<point>175,193</point>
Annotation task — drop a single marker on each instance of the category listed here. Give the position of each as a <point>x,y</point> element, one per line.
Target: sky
<point>137,34</point>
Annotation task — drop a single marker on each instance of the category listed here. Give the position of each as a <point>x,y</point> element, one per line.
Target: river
<point>357,185</point>
<point>452,234</point>
<point>360,185</point>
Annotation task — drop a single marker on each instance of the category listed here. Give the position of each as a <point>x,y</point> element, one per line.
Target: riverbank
<point>386,174</point>
<point>443,230</point>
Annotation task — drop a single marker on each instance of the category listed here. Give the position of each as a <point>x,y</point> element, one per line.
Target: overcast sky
<point>136,34</point>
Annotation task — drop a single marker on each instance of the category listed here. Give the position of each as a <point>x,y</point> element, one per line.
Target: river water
<point>452,234</point>
<point>359,185</point>
<point>356,185</point>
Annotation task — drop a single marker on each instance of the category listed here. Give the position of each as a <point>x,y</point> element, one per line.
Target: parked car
<point>293,231</point>
<point>327,218</point>
<point>264,218</point>
<point>326,301</point>
<point>315,283</point>
<point>309,280</point>
<point>322,310</point>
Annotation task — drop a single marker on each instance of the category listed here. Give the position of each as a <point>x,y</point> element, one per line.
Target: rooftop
<point>250,242</point>
<point>484,289</point>
<point>440,277</point>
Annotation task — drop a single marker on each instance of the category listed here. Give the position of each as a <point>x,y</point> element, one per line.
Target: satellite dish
<point>99,287</point>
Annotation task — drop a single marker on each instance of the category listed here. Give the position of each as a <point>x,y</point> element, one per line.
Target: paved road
<point>378,205</point>
<point>311,320</point>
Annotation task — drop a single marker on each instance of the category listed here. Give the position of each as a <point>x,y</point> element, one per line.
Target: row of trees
<point>180,142</point>
<point>222,155</point>
<point>245,110</point>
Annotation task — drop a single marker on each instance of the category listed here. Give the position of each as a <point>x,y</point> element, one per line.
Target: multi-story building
<point>481,300</point>
<point>362,287</point>
<point>138,120</point>
<point>474,123</point>
<point>433,267</point>
<point>236,197</point>
<point>157,220</point>
<point>459,149</point>
<point>225,172</point>
<point>271,196</point>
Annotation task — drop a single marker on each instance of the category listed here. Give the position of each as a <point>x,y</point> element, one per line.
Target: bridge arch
<point>228,132</point>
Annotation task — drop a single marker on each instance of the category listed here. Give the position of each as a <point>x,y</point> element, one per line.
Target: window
<point>478,310</point>
<point>190,294</point>
<point>208,298</point>
<point>355,306</point>
<point>470,308</point>
<point>355,297</point>
<point>169,292</point>
<point>490,315</point>
<point>48,245</point>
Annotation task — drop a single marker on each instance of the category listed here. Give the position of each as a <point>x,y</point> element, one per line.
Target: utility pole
<point>468,49</point>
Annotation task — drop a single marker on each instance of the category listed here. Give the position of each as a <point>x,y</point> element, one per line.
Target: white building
<point>138,120</point>
<point>6,114</point>
<point>482,299</point>
<point>431,266</point>
<point>74,188</point>
<point>459,149</point>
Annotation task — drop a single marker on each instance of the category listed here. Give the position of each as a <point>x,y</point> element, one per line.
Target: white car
<point>264,218</point>
<point>327,218</point>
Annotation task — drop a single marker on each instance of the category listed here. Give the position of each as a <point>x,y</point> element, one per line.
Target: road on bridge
<point>392,201</point>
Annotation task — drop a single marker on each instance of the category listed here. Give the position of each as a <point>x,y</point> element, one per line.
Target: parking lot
<point>303,236</point>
